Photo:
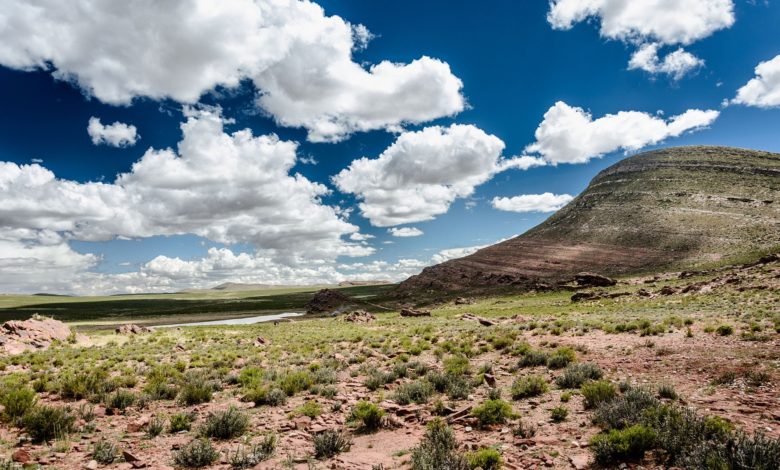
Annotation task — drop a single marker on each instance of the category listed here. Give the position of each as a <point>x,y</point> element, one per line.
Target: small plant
<point>528,386</point>
<point>524,430</point>
<point>194,393</point>
<point>16,401</point>
<point>243,458</point>
<point>104,452</point>
<point>625,410</point>
<point>196,454</point>
<point>597,392</point>
<point>533,358</point>
<point>311,409</point>
<point>367,415</point>
<point>617,446</point>
<point>330,443</point>
<point>486,459</point>
<point>577,374</point>
<point>225,424</point>
<point>155,427</point>
<point>565,397</point>
<point>419,391</point>
<point>438,450</point>
<point>725,330</point>
<point>44,423</point>
<point>296,382</point>
<point>559,414</point>
<point>120,400</point>
<point>179,422</point>
<point>561,358</point>
<point>667,391</point>
<point>457,365</point>
<point>493,412</point>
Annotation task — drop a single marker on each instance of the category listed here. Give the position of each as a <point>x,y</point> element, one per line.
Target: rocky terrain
<point>671,208</point>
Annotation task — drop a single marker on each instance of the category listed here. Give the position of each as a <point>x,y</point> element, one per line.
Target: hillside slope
<point>676,207</point>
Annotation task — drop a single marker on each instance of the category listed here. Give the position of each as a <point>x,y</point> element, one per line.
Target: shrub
<point>533,358</point>
<point>486,459</point>
<point>330,443</point>
<point>195,392</point>
<point>311,409</point>
<point>263,395</point>
<point>529,386</point>
<point>559,413</point>
<point>667,391</point>
<point>155,427</point>
<point>84,384</point>
<point>104,452</point>
<point>438,450</point>
<point>577,374</point>
<point>565,397</point>
<point>493,412</point>
<point>296,382</point>
<point>160,389</point>
<point>16,400</point>
<point>419,392</point>
<point>179,422</point>
<point>619,445</point>
<point>120,400</point>
<point>457,387</point>
<point>368,415</point>
<point>195,454</point>
<point>457,365</point>
<point>44,423</point>
<point>597,392</point>
<point>225,424</point>
<point>375,380</point>
<point>725,330</point>
<point>256,453</point>
<point>561,358</point>
<point>625,410</point>
<point>524,430</point>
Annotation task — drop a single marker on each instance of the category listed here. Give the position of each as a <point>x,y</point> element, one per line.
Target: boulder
<point>463,301</point>
<point>131,329</point>
<point>588,279</point>
<point>408,312</point>
<point>38,332</point>
<point>326,300</point>
<point>359,316</point>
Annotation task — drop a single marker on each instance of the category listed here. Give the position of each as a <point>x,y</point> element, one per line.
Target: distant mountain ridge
<point>675,207</point>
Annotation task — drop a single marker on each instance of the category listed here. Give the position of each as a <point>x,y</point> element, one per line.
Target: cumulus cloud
<point>571,135</point>
<point>545,202</point>
<point>298,58</point>
<point>649,24</point>
<point>117,134</point>
<point>420,175</point>
<point>229,188</point>
<point>405,232</point>
<point>762,91</point>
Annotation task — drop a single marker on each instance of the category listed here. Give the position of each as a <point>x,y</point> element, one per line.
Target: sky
<point>156,146</point>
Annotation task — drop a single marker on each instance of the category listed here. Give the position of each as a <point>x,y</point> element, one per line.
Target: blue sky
<point>515,63</point>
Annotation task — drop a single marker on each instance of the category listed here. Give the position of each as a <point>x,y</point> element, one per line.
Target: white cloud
<point>405,232</point>
<point>422,173</point>
<point>571,135</point>
<point>298,58</point>
<point>545,202</point>
<point>360,237</point>
<point>117,134</point>
<point>229,188</point>
<point>650,24</point>
<point>677,64</point>
<point>763,90</point>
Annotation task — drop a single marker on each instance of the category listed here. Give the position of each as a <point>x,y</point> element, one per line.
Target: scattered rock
<point>359,316</point>
<point>132,329</point>
<point>91,465</point>
<point>463,301</point>
<point>129,457</point>
<point>408,312</point>
<point>21,456</point>
<point>580,461</point>
<point>482,321</point>
<point>588,279</point>
<point>667,290</point>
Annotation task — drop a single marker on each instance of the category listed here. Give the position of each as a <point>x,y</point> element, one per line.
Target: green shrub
<point>577,374</point>
<point>725,330</point>
<point>493,412</point>
<point>16,400</point>
<point>225,424</point>
<point>367,415</point>
<point>528,386</point>
<point>457,365</point>
<point>561,358</point>
<point>667,391</point>
<point>44,423</point>
<point>263,395</point>
<point>533,358</point>
<point>196,454</point>
<point>486,459</point>
<point>195,392</point>
<point>597,392</point>
<point>617,446</point>
<point>160,389</point>
<point>524,430</point>
<point>104,452</point>
<point>257,453</point>
<point>457,387</point>
<point>179,422</point>
<point>625,410</point>
<point>155,427</point>
<point>296,382</point>
<point>438,450</point>
<point>330,443</point>
<point>419,391</point>
<point>120,400</point>
<point>311,409</point>
<point>559,413</point>
<point>78,385</point>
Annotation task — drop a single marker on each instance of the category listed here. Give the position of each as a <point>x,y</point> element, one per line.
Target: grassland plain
<point>661,371</point>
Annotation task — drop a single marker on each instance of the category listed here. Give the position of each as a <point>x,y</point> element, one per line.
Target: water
<point>238,321</point>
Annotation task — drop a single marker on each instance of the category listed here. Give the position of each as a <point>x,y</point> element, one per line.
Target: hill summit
<point>672,208</point>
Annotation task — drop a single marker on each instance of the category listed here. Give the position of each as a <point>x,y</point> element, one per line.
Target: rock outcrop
<point>326,301</point>
<point>17,336</point>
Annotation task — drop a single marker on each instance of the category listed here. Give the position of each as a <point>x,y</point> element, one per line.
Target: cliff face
<point>676,207</point>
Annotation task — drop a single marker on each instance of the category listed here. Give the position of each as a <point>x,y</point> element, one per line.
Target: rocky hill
<point>673,208</point>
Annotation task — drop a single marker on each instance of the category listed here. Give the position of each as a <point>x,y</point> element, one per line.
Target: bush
<point>725,330</point>
<point>577,374</point>
<point>179,422</point>
<point>493,412</point>
<point>620,445</point>
<point>625,410</point>
<point>256,453</point>
<point>195,454</point>
<point>311,409</point>
<point>533,358</point>
<point>561,358</point>
<point>368,415</point>
<point>457,365</point>
<point>419,392</point>
<point>44,423</point>
<point>195,392</point>
<point>120,400</point>
<point>559,414</point>
<point>263,395</point>
<point>438,450</point>
<point>524,430</point>
<point>330,443</point>
<point>296,382</point>
<point>84,384</point>
<point>159,389</point>
<point>597,392</point>
<point>225,424</point>
<point>457,387</point>
<point>104,452</point>
<point>16,401</point>
<point>486,459</point>
<point>667,391</point>
<point>155,427</point>
<point>529,386</point>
